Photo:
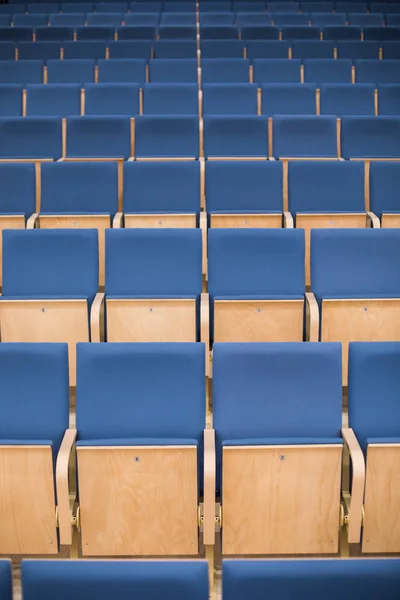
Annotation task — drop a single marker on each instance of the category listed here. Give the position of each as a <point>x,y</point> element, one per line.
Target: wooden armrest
<point>357,485</point>
<point>271,158</point>
<point>33,221</point>
<point>288,222</point>
<point>373,220</point>
<point>203,227</point>
<point>131,159</point>
<point>205,327</point>
<point>61,159</point>
<point>63,488</point>
<point>209,488</point>
<point>95,317</point>
<point>312,318</point>
<point>117,220</point>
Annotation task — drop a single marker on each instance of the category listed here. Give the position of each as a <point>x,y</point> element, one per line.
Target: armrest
<point>209,488</point>
<point>131,159</point>
<point>33,221</point>
<point>61,159</point>
<point>357,486</point>
<point>373,220</point>
<point>203,227</point>
<point>63,488</point>
<point>288,222</point>
<point>96,316</point>
<point>205,327</point>
<point>117,220</point>
<point>312,318</point>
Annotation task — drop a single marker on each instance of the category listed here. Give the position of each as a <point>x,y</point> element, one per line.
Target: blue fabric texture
<point>135,49</point>
<point>268,49</point>
<point>39,50</point>
<point>54,34</point>
<point>112,99</point>
<point>259,32</point>
<point>342,33</point>
<point>225,70</point>
<point>389,99</point>
<point>290,18</point>
<point>175,49</point>
<point>94,33</point>
<point>145,19</point>
<point>5,580</point>
<point>382,33</point>
<point>16,34</point>
<point>30,137</point>
<point>243,136</point>
<point>53,100</point>
<point>17,190</point>
<point>122,70</point>
<point>69,19</point>
<point>233,98</point>
<point>104,19</point>
<point>384,186</point>
<point>98,137</point>
<point>158,136</point>
<point>308,136</point>
<point>70,71</point>
<point>140,32</point>
<point>318,7</point>
<point>362,19</point>
<point>390,50</point>
<point>288,98</point>
<point>305,49</point>
<point>222,49</point>
<point>183,32</point>
<point>10,100</point>
<point>21,71</point>
<point>170,98</point>
<point>327,70</point>
<point>300,32</point>
<point>377,71</point>
<point>325,19</point>
<point>7,50</point>
<point>30,20</point>
<point>85,49</point>
<point>276,70</point>
<point>355,49</point>
<point>370,137</point>
<point>347,99</point>
<point>174,70</point>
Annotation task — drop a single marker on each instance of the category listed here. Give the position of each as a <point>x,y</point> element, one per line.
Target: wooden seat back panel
<point>390,221</point>
<point>272,221</point>
<point>9,222</point>
<point>160,220</point>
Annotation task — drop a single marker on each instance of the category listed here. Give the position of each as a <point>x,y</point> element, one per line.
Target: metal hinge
<point>218,516</point>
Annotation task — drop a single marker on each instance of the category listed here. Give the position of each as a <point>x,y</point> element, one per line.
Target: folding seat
<point>37,20</point>
<point>288,99</point>
<point>67,20</point>
<point>301,137</point>
<point>259,32</point>
<point>179,7</point>
<point>351,7</point>
<point>70,71</point>
<point>112,99</point>
<point>377,71</point>
<point>289,7</point>
<point>268,49</point>
<point>175,49</point>
<point>232,137</point>
<point>85,49</point>
<point>43,7</point>
<point>324,194</point>
<point>176,32</point>
<point>179,19</point>
<point>287,18</point>
<point>318,7</point>
<point>222,49</point>
<point>175,70</point>
<point>387,8</point>
<point>300,32</point>
<point>72,7</point>
<point>363,19</point>
<point>312,49</point>
<point>220,32</point>
<point>94,33</point>
<point>328,70</point>
<point>34,424</point>
<point>111,7</point>
<point>142,19</point>
<point>256,284</point>
<point>30,138</point>
<point>104,19</point>
<point>355,277</point>
<point>15,9</point>
<point>347,99</point>
<point>7,51</point>
<point>54,34</point>
<point>352,50</point>
<point>50,282</point>
<point>5,580</point>
<point>342,32</point>
<point>216,19</point>
<point>382,33</point>
<point>328,19</point>
<point>225,70</point>
<point>80,195</point>
<point>137,32</point>
<point>370,137</point>
<point>219,7</point>
<point>253,18</point>
<point>170,99</point>
<point>74,578</point>
<point>52,100</point>
<point>389,99</point>
<point>129,49</point>
<point>248,6</point>
<point>375,578</point>
<point>11,100</point>
<point>100,137</point>
<point>244,193</point>
<point>177,206</point>
<point>229,98</point>
<point>393,20</point>
<point>39,50</point>
<point>123,70</point>
<point>384,181</point>
<point>167,137</point>
<point>146,7</point>
<point>276,70</point>
<point>16,34</point>
<point>391,50</point>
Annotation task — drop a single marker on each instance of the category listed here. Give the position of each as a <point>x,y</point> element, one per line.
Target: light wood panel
<point>46,321</point>
<point>325,221</point>
<point>8,222</point>
<point>369,320</point>
<point>162,221</point>
<point>138,500</point>
<point>382,499</point>
<point>27,503</point>
<point>151,320</point>
<point>258,320</point>
<point>281,499</point>
<point>99,222</point>
<point>390,220</point>
<point>249,220</point>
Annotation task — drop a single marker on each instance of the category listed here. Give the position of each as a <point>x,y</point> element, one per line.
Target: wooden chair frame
<point>9,222</point>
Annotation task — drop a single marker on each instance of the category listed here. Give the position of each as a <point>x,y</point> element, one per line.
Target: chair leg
<point>211,566</point>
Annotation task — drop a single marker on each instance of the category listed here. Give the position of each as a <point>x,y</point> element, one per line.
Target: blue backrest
<point>279,70</point>
<point>256,262</point>
<point>122,70</point>
<point>15,8</point>
<point>179,19</point>
<point>347,99</point>
<point>393,20</point>
<point>245,186</point>
<point>300,32</point>
<point>342,32</point>
<point>180,182</point>
<point>377,71</point>
<point>312,579</point>
<point>112,99</point>
<point>43,7</point>
<point>85,49</point>
<point>180,32</point>
<point>268,49</point>
<point>5,577</point>
<point>153,262</point>
<point>351,7</point>
<point>69,19</point>
<point>53,99</point>
<point>225,70</point>
<point>363,19</point>
<point>7,51</point>
<point>327,19</point>
<point>179,6</point>
<point>16,33</point>
<point>222,49</point>
<point>43,414</point>
<point>17,190</point>
<point>56,34</point>
<point>283,6</point>
<point>259,32</point>
<point>30,137</point>
<point>241,136</point>
<point>99,137</point>
<point>352,49</point>
<point>138,49</point>
<point>94,33</point>
<point>70,71</point>
<point>170,98</point>
<point>219,32</point>
<point>37,20</point>
<point>111,7</point>
<point>288,98</point>
<point>174,70</point>
<point>104,19</point>
<point>158,136</point>
<point>118,579</point>
<point>370,137</point>
<point>175,49</point>
<point>374,381</point>
<point>77,187</point>
<point>382,33</point>
<point>384,7</point>
<point>326,186</point>
<point>307,137</point>
<point>288,18</point>
<point>391,50</point>
<point>145,19</point>
<point>24,71</point>
<point>355,263</point>
<point>327,70</point>
<point>247,19</point>
<point>146,7</point>
<point>50,262</point>
<point>229,98</point>
<point>139,32</point>
<point>312,49</point>
<point>248,6</point>
<point>223,18</point>
<point>74,7</point>
<point>11,100</point>
<point>39,50</point>
<point>216,6</point>
<point>384,186</point>
<point>318,7</point>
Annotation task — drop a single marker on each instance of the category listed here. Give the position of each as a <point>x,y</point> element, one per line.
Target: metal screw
<point>137,459</point>
<point>282,457</point>
<point>43,310</point>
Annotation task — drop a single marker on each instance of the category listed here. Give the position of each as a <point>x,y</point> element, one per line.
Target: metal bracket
<point>218,516</point>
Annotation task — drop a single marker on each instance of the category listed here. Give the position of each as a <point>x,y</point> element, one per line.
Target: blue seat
<point>16,34</point>
<point>372,579</point>
<point>112,99</point>
<point>145,19</point>
<point>347,99</point>
<point>259,32</point>
<point>129,49</point>
<point>174,70</point>
<point>111,7</point>
<point>225,70</point>
<point>229,98</point>
<point>276,70</point>
<point>235,136</point>
<point>370,137</point>
<point>43,7</point>
<point>300,32</point>
<point>327,19</point>
<point>389,99</point>
<point>217,6</point>
<point>66,578</point>
<point>136,32</point>
<point>386,8</point>
<point>382,33</point>
<point>175,49</point>
<point>318,7</point>
<point>327,70</point>
<point>94,33</point>
<point>104,19</point>
<point>158,136</point>
<point>170,99</point>
<point>218,32</point>
<point>17,193</point>
<point>39,50</point>
<point>384,182</point>
<point>312,49</point>
<point>250,19</point>
<point>288,99</point>
<point>171,6</point>
<point>248,6</point>
<point>7,51</point>
<point>67,19</point>
<point>37,20</point>
<point>268,49</point>
<point>146,7</point>
<point>352,7</point>
<point>73,7</point>
<point>5,580</point>
<point>15,9</point>
<point>349,32</point>
<point>288,18</point>
<point>53,100</point>
<point>304,137</point>
<point>179,19</point>
<point>177,32</point>
<point>352,50</point>
<point>30,138</point>
<point>377,71</point>
<point>217,18</point>
<point>11,100</point>
<point>363,19</point>
<point>54,34</point>
<point>70,71</point>
<point>222,49</point>
<point>393,20</point>
<point>283,6</point>
<point>122,70</point>
<point>85,49</point>
<point>98,137</point>
<point>391,50</point>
